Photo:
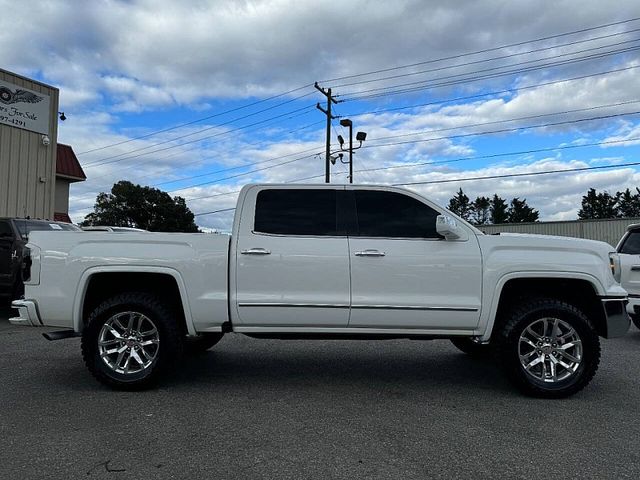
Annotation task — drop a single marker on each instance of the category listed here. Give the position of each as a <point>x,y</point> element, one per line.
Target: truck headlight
<point>614,264</point>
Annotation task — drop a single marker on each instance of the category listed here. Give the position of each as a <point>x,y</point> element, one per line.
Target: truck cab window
<point>5,230</point>
<point>391,214</point>
<point>296,212</point>
<point>631,245</point>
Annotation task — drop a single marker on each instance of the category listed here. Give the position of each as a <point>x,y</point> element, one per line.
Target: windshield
<point>27,226</point>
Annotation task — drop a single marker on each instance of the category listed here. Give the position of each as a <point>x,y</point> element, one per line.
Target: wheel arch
<point>99,283</point>
<point>579,289</point>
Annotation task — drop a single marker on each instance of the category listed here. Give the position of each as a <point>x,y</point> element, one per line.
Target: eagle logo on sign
<point>8,97</point>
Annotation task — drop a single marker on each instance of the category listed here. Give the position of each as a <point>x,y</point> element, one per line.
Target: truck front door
<point>404,275</point>
<point>292,259</point>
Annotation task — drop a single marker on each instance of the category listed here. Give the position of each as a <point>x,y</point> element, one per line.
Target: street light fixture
<point>360,136</point>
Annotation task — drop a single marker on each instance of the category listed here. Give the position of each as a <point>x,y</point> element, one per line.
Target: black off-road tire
<point>468,346</point>
<point>196,345</point>
<point>523,315</point>
<point>170,345</point>
<point>635,318</point>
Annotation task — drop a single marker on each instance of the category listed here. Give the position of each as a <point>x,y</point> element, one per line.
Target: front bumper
<point>27,313</point>
<point>616,316</point>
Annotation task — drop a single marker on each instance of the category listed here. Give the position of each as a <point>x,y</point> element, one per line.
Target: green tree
<point>498,210</point>
<point>130,205</point>
<point>460,205</point>
<point>519,212</point>
<point>629,203</point>
<point>599,205</point>
<point>480,210</point>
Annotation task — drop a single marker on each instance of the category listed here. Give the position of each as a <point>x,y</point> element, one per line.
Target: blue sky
<point>167,94</point>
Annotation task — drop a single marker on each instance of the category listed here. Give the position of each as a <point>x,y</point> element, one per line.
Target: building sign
<point>23,108</point>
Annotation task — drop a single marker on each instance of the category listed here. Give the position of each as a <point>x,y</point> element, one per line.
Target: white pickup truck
<point>330,262</point>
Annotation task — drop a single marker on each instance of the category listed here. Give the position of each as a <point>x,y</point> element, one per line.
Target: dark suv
<point>14,234</point>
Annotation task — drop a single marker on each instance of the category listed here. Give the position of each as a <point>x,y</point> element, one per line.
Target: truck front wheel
<point>548,348</point>
<point>130,340</point>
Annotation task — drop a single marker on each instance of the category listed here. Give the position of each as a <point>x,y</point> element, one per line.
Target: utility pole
<point>327,112</point>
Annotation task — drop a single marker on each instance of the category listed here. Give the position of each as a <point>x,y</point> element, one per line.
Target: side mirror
<point>449,228</point>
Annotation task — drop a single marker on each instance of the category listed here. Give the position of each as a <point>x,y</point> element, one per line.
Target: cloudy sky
<point>201,97</point>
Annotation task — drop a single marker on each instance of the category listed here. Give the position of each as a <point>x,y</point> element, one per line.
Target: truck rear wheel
<point>635,318</point>
<point>130,340</point>
<point>548,348</point>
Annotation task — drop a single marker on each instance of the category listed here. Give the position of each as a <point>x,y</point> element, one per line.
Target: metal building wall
<point>610,230</point>
<point>27,167</point>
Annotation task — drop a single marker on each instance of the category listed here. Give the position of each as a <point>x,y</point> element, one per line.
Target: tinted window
<point>632,244</point>
<point>27,226</point>
<point>5,230</point>
<point>390,214</point>
<point>296,212</point>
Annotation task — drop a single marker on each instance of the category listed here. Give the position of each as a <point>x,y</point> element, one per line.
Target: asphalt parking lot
<point>261,409</point>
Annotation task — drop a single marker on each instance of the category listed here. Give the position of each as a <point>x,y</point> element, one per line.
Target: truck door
<point>403,274</point>
<point>630,263</point>
<point>292,259</point>
<point>6,257</point>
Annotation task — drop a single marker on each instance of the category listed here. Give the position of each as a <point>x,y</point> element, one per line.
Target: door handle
<point>370,253</point>
<point>635,268</point>
<point>255,251</point>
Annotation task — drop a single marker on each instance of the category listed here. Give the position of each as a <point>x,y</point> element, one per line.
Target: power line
<point>515,119</point>
<point>496,92</point>
<point>504,130</point>
<point>486,50</point>
<point>513,175</point>
<point>424,84</point>
<point>240,175</point>
<point>502,57</point>
<point>226,132</point>
<point>215,211</point>
<point>198,120</point>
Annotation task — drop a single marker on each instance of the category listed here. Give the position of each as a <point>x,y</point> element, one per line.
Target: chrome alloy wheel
<point>550,350</point>
<point>128,343</point>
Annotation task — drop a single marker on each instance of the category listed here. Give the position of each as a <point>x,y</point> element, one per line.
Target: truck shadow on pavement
<point>326,369</point>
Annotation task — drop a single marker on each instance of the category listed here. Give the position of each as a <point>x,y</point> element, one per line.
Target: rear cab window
<point>296,212</point>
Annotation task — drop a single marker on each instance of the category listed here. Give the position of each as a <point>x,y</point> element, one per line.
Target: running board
<point>60,335</point>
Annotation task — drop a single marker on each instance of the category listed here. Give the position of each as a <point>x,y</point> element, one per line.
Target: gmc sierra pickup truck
<point>330,262</point>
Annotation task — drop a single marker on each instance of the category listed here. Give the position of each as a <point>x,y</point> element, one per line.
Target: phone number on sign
<point>13,121</point>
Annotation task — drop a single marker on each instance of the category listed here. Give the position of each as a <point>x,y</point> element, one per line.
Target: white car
<point>629,251</point>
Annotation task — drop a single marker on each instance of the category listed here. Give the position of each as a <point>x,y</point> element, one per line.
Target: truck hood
<point>535,241</point>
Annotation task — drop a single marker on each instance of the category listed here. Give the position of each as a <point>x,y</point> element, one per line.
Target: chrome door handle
<point>255,251</point>
<point>370,253</point>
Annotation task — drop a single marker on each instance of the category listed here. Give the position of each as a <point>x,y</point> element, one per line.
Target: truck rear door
<point>292,259</point>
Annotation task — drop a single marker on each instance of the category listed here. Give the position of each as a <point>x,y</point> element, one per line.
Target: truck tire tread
<point>509,333</point>
<point>171,337</point>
